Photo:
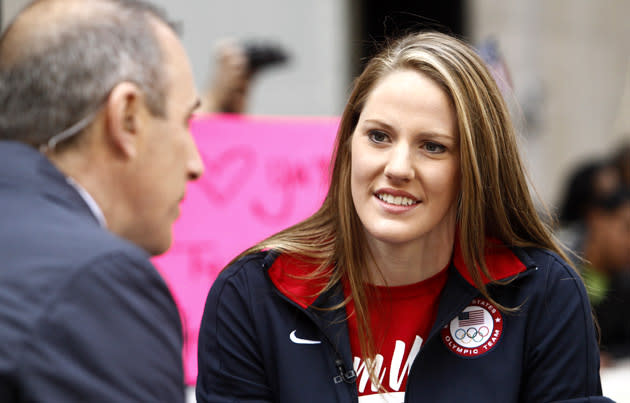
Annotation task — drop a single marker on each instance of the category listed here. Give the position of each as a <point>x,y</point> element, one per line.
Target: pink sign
<point>262,175</point>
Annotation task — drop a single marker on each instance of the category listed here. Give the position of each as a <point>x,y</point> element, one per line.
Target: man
<point>95,154</point>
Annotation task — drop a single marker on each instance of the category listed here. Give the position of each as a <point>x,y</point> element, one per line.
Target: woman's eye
<point>377,136</point>
<point>434,147</point>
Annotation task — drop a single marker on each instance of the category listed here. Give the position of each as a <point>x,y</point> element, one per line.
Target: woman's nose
<point>399,165</point>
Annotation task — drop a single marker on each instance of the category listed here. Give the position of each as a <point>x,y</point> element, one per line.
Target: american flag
<point>471,318</point>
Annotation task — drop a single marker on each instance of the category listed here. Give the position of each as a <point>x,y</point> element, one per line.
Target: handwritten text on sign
<point>261,175</point>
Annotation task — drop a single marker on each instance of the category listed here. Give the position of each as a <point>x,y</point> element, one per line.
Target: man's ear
<point>125,114</point>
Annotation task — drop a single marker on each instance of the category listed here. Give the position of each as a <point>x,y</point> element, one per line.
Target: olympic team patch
<point>475,331</point>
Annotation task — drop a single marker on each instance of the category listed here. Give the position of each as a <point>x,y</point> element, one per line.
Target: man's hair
<point>53,75</point>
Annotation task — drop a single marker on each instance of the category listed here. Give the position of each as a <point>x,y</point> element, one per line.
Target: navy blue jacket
<point>84,316</point>
<point>546,351</point>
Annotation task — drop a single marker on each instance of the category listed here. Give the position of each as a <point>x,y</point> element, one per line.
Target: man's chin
<point>159,246</point>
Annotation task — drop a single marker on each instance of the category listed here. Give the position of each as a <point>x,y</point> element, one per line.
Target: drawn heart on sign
<point>226,174</point>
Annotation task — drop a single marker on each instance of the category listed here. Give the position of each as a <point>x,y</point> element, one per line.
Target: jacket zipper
<point>343,375</point>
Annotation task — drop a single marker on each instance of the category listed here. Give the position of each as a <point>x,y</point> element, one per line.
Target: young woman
<point>426,275</point>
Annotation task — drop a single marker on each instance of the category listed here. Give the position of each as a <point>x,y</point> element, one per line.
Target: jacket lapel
<point>457,294</point>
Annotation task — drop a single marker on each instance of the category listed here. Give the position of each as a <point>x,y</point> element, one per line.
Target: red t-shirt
<point>401,319</point>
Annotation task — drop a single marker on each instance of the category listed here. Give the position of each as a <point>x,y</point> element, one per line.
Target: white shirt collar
<point>89,200</point>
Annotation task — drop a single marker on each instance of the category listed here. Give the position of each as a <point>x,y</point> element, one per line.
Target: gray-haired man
<point>95,154</point>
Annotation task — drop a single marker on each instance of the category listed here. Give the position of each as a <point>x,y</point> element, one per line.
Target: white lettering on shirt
<point>397,371</point>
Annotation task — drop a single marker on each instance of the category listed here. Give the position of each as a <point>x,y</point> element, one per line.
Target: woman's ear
<point>125,114</point>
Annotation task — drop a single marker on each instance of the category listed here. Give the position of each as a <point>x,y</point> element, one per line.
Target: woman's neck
<point>409,263</point>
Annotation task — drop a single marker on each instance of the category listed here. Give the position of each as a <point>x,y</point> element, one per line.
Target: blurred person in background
<point>426,275</point>
<point>589,181</point>
<point>606,271</point>
<point>595,219</point>
<point>95,155</point>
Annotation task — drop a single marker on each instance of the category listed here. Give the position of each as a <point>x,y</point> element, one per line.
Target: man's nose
<point>195,162</point>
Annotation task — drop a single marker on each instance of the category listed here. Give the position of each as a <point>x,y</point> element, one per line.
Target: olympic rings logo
<point>475,331</point>
<point>465,336</point>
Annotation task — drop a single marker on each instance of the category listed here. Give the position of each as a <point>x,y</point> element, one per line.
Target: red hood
<point>287,272</point>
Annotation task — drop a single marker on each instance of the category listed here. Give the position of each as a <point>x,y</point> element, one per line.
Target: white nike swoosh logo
<point>297,340</point>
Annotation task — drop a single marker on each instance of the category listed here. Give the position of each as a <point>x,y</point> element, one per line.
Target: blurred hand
<point>229,88</point>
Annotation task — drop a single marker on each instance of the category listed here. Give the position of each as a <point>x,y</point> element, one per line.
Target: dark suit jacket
<point>84,315</point>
